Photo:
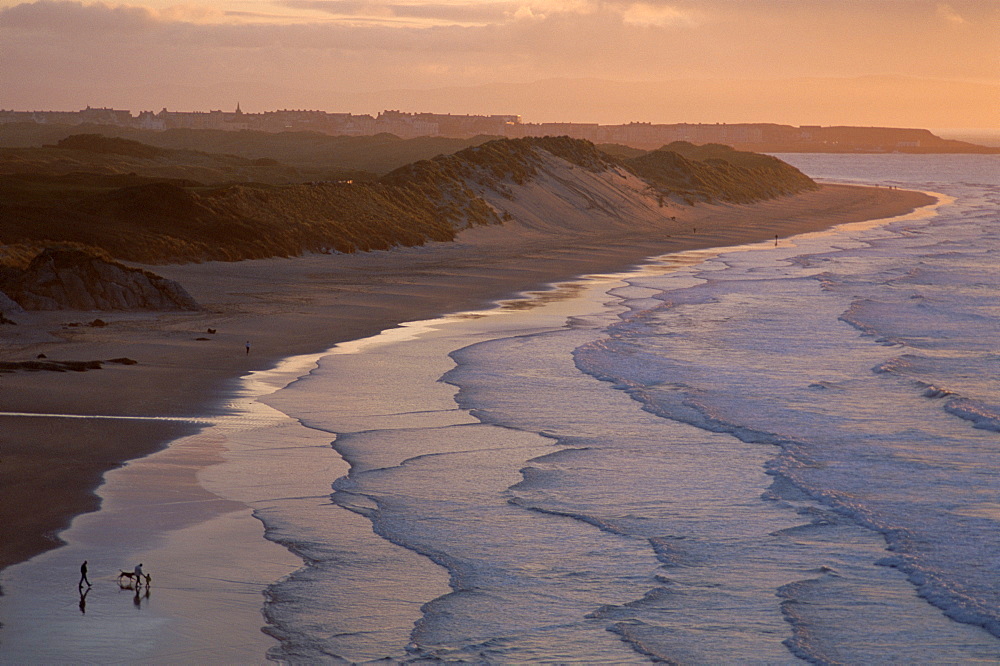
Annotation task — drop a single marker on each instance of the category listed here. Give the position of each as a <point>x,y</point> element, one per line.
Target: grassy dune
<point>714,172</point>
<point>158,220</point>
<point>302,156</point>
<point>113,156</point>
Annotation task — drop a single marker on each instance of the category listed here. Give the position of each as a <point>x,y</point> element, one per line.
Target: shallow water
<point>196,539</point>
<point>758,455</point>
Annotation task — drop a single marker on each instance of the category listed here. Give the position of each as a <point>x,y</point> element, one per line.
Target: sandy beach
<point>289,307</point>
<point>189,510</point>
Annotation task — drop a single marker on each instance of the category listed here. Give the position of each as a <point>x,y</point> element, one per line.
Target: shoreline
<point>291,307</point>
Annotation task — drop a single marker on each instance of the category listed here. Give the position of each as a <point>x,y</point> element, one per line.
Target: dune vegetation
<point>139,216</point>
<point>713,172</point>
<point>225,156</point>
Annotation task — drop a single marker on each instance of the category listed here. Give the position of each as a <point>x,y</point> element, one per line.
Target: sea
<point>775,453</point>
<point>771,453</point>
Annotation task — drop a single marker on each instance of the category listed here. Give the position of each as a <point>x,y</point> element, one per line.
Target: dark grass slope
<point>714,172</point>
<point>160,220</point>
<point>98,143</point>
<point>113,156</point>
<point>311,154</point>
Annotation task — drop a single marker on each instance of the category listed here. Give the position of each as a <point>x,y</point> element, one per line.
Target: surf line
<point>180,419</point>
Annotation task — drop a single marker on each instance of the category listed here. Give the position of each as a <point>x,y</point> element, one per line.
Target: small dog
<point>131,577</point>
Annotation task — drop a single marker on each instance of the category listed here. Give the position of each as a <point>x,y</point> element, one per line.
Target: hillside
<point>115,156</point>
<point>154,220</point>
<point>303,156</point>
<point>715,172</point>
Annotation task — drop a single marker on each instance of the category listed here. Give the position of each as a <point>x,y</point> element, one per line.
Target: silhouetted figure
<point>248,347</point>
<point>83,599</point>
<point>138,573</point>
<point>775,240</point>
<point>83,575</point>
<point>137,599</point>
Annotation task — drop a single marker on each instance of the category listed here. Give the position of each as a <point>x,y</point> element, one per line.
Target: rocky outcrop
<point>60,366</point>
<point>78,280</point>
<point>7,307</point>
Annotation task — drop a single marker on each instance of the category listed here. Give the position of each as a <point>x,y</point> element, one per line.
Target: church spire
<point>238,112</point>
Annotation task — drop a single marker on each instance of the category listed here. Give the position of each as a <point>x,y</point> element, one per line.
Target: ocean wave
<point>626,520</point>
<point>982,416</point>
<point>802,644</point>
<point>859,315</point>
<point>628,365</point>
<point>603,524</point>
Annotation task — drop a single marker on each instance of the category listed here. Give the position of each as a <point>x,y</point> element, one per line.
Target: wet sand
<point>287,307</point>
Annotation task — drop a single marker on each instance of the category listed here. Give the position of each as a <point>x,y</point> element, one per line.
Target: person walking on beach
<point>138,574</point>
<point>248,347</point>
<point>83,575</point>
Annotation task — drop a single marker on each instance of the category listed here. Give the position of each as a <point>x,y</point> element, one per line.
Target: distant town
<point>767,137</point>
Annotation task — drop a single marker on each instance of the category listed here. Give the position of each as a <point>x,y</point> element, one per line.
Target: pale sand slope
<point>568,222</point>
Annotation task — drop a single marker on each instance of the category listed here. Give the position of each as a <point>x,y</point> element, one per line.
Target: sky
<point>917,63</point>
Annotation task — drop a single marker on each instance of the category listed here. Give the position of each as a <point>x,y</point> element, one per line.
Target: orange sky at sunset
<point>880,62</point>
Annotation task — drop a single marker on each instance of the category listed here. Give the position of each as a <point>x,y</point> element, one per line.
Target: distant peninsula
<point>756,137</point>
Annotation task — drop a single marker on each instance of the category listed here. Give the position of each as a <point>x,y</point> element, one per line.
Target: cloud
<point>64,15</point>
<point>948,13</point>
<point>353,45</point>
<point>191,13</point>
<point>469,12</point>
<point>644,13</point>
<point>650,15</point>
<point>78,16</point>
